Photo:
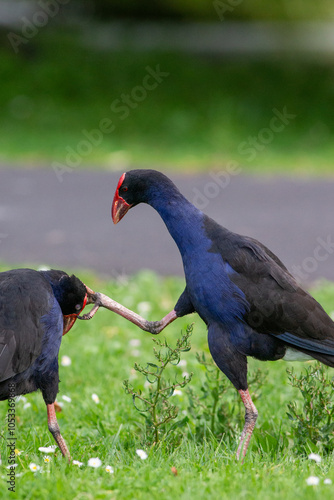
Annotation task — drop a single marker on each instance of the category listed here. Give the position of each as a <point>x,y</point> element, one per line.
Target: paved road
<point>67,225</point>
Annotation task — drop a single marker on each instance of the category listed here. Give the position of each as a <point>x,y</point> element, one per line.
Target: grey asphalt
<point>67,225</point>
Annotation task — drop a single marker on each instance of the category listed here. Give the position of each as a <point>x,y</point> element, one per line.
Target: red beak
<point>70,319</point>
<point>119,205</point>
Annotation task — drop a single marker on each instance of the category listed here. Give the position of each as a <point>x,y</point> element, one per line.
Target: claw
<point>91,313</point>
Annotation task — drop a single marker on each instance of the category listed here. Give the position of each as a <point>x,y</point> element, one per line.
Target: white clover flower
<point>67,399</point>
<point>65,361</point>
<point>135,353</point>
<point>135,342</point>
<point>327,481</point>
<point>47,459</point>
<point>95,398</point>
<point>47,449</point>
<point>142,454</point>
<point>33,467</point>
<point>76,462</point>
<point>109,469</point>
<point>312,481</point>
<point>94,462</point>
<point>144,307</point>
<point>315,457</point>
<point>26,406</point>
<point>177,392</point>
<point>182,362</point>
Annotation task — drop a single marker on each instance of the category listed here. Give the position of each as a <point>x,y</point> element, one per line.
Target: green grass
<point>112,430</point>
<point>195,119</point>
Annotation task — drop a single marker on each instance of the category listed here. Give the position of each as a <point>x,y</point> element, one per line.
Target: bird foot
<point>91,313</point>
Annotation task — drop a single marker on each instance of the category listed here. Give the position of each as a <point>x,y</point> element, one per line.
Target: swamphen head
<point>70,293</point>
<point>139,186</point>
<point>36,309</point>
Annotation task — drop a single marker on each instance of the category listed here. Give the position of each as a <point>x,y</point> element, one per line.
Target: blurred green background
<point>227,68</point>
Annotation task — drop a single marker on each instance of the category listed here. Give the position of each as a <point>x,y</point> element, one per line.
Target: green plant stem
<point>154,406</point>
<point>215,402</point>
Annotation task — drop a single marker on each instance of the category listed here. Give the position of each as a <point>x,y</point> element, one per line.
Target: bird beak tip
<point>68,322</point>
<point>119,205</point>
<point>119,208</point>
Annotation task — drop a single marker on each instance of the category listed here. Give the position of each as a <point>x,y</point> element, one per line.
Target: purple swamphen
<point>251,304</point>
<point>36,309</point>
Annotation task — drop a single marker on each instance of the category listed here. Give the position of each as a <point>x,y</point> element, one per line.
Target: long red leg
<point>101,300</point>
<point>250,421</point>
<point>55,431</point>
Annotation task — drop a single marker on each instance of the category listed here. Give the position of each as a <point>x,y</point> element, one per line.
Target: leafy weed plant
<point>154,405</point>
<point>313,420</point>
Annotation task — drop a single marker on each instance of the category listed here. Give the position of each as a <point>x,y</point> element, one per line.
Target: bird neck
<point>53,277</point>
<point>183,220</point>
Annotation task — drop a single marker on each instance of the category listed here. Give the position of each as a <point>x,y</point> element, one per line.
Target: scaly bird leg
<point>55,431</point>
<point>101,300</point>
<point>250,421</point>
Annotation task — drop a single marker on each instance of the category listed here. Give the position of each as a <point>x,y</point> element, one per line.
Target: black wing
<point>25,296</point>
<point>278,305</point>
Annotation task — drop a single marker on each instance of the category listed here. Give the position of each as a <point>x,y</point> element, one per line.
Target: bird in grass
<point>251,304</point>
<point>36,309</point>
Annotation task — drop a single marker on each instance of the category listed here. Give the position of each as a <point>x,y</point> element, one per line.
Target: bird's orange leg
<point>250,421</point>
<point>55,431</point>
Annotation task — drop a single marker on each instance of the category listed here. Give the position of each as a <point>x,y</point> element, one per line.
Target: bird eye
<point>78,307</point>
<point>124,189</point>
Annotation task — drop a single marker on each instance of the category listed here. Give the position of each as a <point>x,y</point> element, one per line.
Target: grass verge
<point>203,113</point>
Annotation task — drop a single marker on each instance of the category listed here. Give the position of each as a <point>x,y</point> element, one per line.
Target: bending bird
<point>36,309</point>
<point>251,304</point>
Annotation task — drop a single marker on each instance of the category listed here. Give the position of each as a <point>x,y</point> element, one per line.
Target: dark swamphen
<point>249,301</point>
<point>36,309</point>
